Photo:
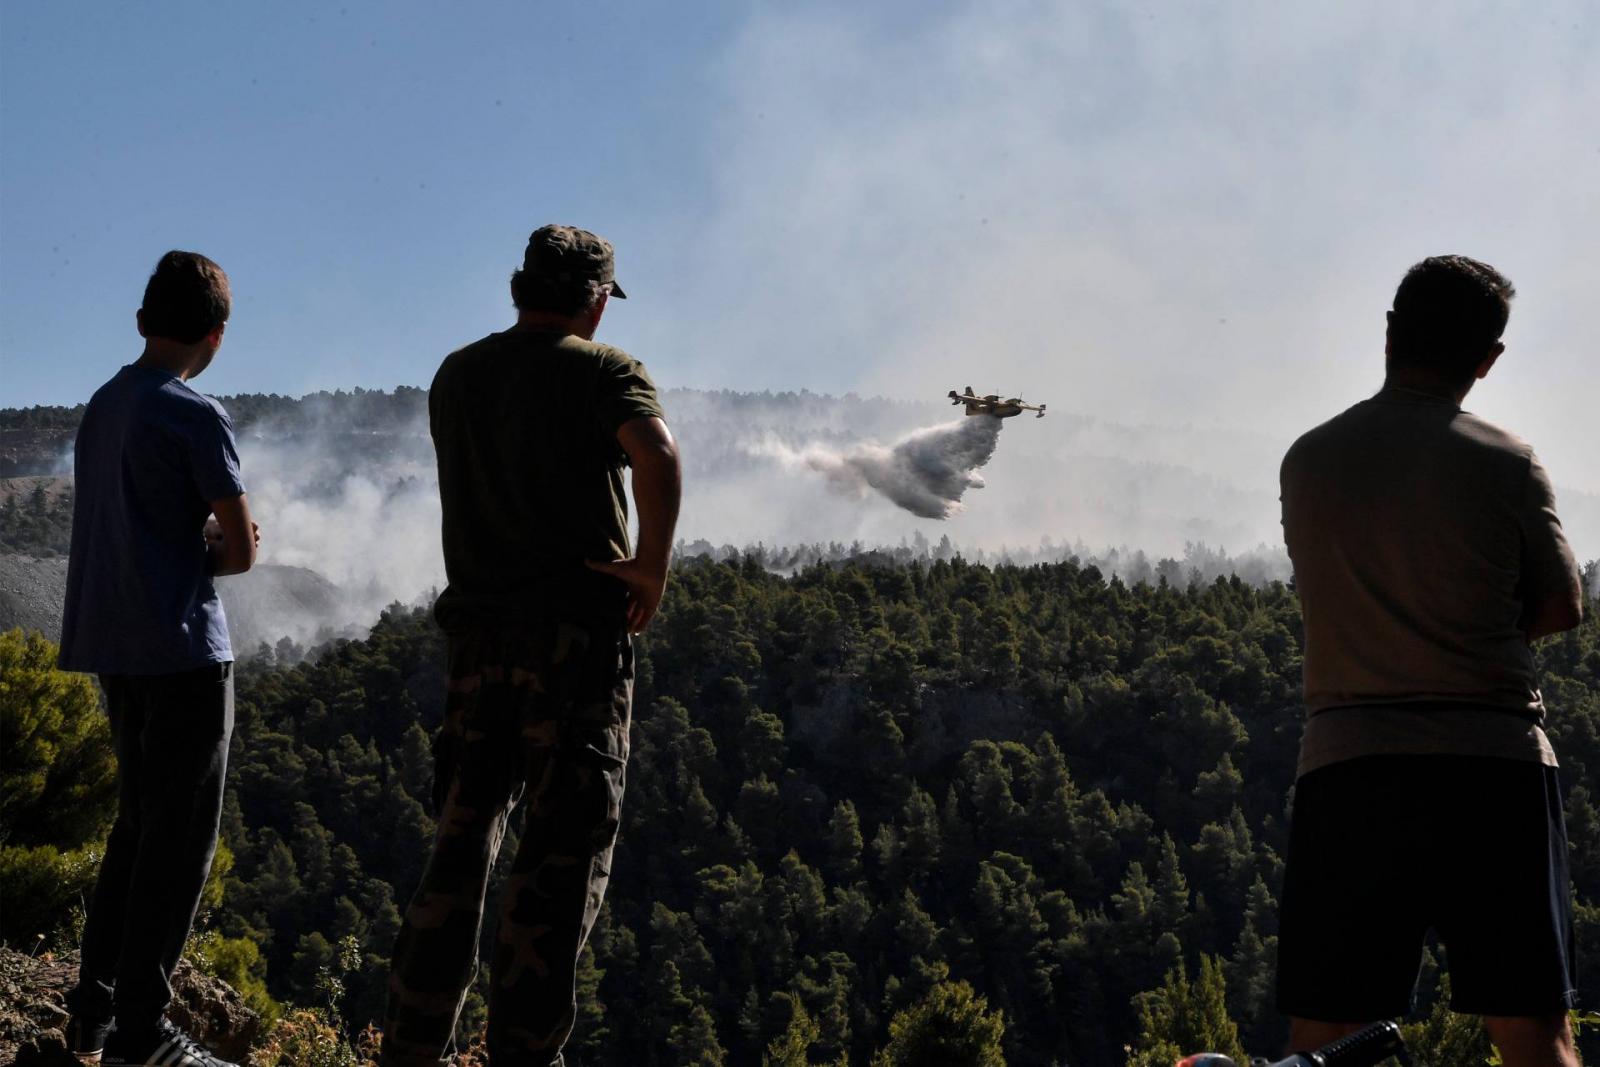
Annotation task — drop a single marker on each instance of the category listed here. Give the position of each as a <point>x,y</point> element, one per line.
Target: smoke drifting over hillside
<point>926,472</point>
<point>352,494</point>
<point>359,509</point>
<point>355,499</point>
<point>347,495</point>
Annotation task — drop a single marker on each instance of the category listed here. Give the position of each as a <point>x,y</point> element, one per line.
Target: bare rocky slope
<point>31,591</point>
<point>262,606</point>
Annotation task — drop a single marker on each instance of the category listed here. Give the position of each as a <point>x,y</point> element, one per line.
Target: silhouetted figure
<point>533,428</point>
<point>159,511</point>
<point>1427,555</point>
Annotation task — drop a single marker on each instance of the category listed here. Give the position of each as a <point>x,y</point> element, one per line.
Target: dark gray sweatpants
<point>171,734</point>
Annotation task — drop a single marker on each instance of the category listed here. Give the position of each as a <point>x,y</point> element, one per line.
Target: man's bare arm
<point>1554,614</point>
<point>233,549</point>
<point>1552,588</point>
<point>657,489</point>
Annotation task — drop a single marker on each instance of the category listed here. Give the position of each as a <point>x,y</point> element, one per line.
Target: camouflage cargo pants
<point>541,711</point>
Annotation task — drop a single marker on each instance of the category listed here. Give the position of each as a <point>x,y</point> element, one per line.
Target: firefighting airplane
<point>993,405</point>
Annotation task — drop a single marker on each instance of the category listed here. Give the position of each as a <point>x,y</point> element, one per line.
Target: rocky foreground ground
<point>32,1015</point>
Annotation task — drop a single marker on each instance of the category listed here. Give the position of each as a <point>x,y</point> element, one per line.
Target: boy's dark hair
<point>186,298</point>
<point>532,293</point>
<point>1448,312</point>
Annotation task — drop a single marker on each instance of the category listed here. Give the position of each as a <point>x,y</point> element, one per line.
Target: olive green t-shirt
<point>1419,535</point>
<point>525,424</point>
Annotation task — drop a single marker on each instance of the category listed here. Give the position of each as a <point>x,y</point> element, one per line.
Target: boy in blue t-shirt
<point>160,512</point>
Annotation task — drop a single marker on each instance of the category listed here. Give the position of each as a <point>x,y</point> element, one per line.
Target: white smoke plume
<point>349,505</point>
<point>926,472</point>
<point>349,524</point>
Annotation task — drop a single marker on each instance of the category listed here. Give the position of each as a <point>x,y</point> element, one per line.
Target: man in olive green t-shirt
<point>1427,555</point>
<point>533,427</point>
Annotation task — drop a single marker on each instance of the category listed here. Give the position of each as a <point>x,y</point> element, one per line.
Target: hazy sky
<point>1159,213</point>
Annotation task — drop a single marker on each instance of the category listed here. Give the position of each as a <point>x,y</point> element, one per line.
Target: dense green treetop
<point>853,793</point>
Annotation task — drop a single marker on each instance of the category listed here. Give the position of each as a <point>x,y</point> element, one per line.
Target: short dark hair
<point>532,293</point>
<point>1448,311</point>
<point>186,298</point>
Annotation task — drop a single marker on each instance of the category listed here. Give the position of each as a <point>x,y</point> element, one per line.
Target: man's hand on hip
<point>645,587</point>
<point>657,487</point>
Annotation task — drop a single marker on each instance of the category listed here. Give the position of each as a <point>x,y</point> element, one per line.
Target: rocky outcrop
<point>214,1012</point>
<point>32,452</point>
<point>32,1014</point>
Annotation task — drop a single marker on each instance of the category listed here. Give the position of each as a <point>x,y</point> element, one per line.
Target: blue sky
<point>1155,213</point>
<point>365,173</point>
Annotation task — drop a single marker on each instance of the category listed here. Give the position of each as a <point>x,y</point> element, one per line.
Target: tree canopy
<point>1029,811</point>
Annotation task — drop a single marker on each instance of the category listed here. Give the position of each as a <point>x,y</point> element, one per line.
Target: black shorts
<point>1383,848</point>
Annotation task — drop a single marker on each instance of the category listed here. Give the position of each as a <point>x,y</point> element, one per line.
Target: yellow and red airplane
<point>993,405</point>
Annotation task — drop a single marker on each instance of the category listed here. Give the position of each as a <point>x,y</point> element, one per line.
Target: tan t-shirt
<point>525,427</point>
<point>1419,533</point>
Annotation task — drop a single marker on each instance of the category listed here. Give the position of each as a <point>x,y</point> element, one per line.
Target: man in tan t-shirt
<point>1427,555</point>
<point>534,427</point>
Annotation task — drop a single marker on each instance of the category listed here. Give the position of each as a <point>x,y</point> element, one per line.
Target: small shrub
<point>306,1038</point>
<point>45,891</point>
<point>237,961</point>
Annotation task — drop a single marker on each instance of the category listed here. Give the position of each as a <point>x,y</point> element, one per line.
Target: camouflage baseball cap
<point>564,255</point>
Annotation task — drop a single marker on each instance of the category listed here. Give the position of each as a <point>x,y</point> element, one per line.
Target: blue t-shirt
<point>151,453</point>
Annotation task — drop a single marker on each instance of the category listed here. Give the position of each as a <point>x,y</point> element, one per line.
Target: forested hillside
<point>846,787</point>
